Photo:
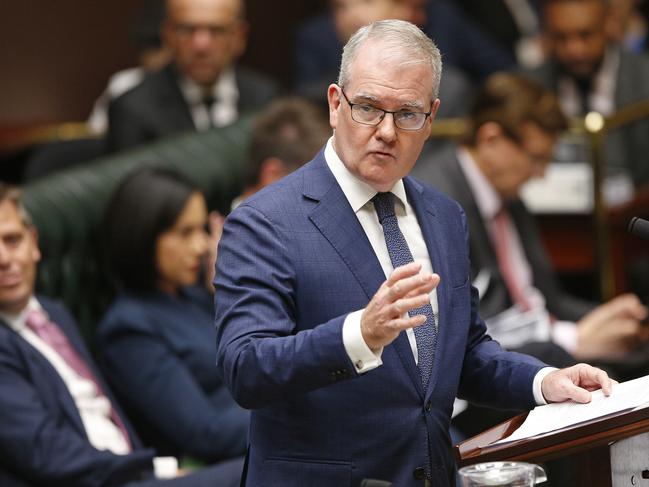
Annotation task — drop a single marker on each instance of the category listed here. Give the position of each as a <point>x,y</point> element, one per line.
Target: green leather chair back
<point>68,207</point>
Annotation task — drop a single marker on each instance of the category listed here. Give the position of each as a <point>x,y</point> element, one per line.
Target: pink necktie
<point>51,334</point>
<point>502,240</point>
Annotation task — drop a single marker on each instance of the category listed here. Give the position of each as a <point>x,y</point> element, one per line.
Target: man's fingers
<point>404,305</point>
<point>593,375</point>
<point>578,394</point>
<point>400,324</point>
<point>422,283</point>
<point>403,272</point>
<point>575,383</point>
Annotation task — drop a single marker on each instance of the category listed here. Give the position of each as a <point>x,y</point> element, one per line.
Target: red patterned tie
<point>502,240</point>
<point>51,334</point>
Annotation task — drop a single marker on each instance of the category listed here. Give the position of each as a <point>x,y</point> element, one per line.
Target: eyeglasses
<point>370,115</point>
<point>188,30</point>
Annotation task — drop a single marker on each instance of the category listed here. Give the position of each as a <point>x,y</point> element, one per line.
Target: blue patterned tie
<point>426,334</point>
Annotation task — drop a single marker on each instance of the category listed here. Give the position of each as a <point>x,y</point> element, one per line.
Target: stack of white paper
<point>632,394</point>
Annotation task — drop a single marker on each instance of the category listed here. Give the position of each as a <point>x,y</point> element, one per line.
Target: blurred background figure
<point>152,56</point>
<point>512,131</point>
<point>157,339</point>
<point>203,87</point>
<point>59,421</point>
<point>627,25</point>
<point>513,128</point>
<point>287,134</point>
<point>319,46</point>
<point>589,71</point>
<point>513,24</point>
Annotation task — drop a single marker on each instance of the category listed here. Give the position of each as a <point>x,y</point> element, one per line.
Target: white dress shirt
<point>359,195</point>
<point>226,96</point>
<point>94,408</point>
<point>602,95</point>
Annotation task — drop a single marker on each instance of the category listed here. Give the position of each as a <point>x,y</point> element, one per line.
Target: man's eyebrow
<point>366,98</point>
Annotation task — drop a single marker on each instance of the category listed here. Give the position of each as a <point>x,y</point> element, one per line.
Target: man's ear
<point>36,253</point>
<point>240,38</point>
<point>434,108</point>
<point>272,169</point>
<point>488,133</point>
<point>334,99</point>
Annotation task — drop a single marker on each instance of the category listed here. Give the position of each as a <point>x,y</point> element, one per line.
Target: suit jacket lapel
<point>169,96</point>
<point>335,219</point>
<point>71,332</point>
<point>43,372</point>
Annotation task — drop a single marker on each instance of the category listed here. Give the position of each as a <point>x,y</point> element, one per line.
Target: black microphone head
<point>639,227</point>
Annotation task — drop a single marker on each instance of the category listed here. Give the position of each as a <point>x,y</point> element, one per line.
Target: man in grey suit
<point>202,88</point>
<point>590,72</point>
<point>513,128</point>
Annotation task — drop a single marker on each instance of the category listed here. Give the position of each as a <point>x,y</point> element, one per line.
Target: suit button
<point>419,473</point>
<point>429,407</point>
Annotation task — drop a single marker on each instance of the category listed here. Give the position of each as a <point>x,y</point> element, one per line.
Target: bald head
<point>205,36</point>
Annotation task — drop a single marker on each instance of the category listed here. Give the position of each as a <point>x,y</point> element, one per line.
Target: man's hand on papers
<point>575,383</point>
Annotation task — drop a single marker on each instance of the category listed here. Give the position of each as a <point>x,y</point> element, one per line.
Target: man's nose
<point>4,255</point>
<point>201,37</point>
<point>386,129</point>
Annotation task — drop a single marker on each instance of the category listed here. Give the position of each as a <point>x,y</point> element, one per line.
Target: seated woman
<point>157,340</point>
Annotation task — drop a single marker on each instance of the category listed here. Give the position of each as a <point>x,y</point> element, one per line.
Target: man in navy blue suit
<point>59,423</point>
<point>345,315</point>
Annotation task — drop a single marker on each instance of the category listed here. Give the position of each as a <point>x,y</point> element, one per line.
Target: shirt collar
<point>357,192</point>
<point>486,197</point>
<point>224,88</point>
<point>17,321</point>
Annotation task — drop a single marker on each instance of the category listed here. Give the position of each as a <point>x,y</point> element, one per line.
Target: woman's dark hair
<point>147,202</point>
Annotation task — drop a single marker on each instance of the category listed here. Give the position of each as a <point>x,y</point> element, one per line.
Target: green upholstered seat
<point>67,209</point>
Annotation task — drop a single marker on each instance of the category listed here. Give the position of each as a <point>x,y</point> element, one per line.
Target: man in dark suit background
<point>203,87</point>
<point>316,277</point>
<point>513,128</point>
<point>588,72</point>
<point>59,422</point>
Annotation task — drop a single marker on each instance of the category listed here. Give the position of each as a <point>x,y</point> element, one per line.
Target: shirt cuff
<point>363,358</point>
<point>165,467</point>
<point>536,386</point>
<point>564,334</point>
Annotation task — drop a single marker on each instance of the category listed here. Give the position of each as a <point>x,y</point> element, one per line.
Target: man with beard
<point>590,72</point>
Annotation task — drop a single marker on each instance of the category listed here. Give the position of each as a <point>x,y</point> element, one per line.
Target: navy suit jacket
<point>158,348</point>
<point>42,438</point>
<point>293,262</point>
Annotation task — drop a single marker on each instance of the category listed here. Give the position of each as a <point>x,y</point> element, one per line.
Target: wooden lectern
<point>610,451</point>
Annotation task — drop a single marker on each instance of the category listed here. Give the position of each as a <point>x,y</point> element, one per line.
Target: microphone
<point>375,483</point>
<point>639,227</point>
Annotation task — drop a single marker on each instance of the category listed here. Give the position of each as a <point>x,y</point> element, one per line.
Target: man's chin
<point>580,73</point>
<point>13,302</point>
